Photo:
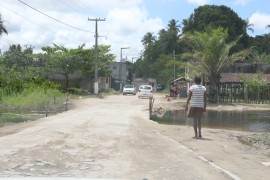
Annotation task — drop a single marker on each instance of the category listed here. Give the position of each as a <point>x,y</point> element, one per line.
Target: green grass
<point>34,98</point>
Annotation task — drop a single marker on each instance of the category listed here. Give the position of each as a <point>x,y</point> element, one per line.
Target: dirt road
<point>112,138</point>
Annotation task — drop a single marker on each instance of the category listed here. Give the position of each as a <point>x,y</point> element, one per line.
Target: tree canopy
<point>212,16</point>
<point>207,23</point>
<point>211,53</point>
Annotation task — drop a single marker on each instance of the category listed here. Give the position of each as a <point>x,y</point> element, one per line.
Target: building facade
<point>120,74</point>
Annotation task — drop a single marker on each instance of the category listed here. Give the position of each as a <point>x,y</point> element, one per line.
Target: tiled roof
<point>235,77</point>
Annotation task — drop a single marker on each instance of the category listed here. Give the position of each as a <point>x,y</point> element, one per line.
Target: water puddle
<point>231,120</point>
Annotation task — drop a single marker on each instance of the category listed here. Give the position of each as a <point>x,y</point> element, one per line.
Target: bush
<point>77,91</point>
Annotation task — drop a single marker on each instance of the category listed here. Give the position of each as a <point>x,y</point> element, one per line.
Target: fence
<point>239,93</point>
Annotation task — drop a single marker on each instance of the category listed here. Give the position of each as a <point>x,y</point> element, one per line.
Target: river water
<point>231,120</point>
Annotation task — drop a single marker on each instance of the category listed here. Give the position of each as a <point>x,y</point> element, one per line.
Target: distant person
<point>197,95</point>
<point>171,90</point>
<point>174,90</point>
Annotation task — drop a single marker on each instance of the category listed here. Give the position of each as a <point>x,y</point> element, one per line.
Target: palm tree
<point>249,26</point>
<point>188,23</point>
<point>173,26</point>
<point>211,53</point>
<point>168,38</point>
<point>2,27</point>
<point>148,39</point>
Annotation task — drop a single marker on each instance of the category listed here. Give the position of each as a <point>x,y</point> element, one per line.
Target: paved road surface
<point>109,138</point>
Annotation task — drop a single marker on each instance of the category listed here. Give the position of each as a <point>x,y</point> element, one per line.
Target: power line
<point>82,7</point>
<point>53,17</point>
<point>25,18</point>
<point>67,4</point>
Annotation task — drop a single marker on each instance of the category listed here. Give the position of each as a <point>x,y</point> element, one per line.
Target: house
<point>144,81</point>
<point>120,74</point>
<point>236,77</point>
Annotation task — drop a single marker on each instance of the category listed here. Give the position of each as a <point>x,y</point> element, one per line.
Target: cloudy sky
<point>66,22</point>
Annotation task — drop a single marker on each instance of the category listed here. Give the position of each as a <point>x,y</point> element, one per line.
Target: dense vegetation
<point>211,39</point>
<point>206,43</point>
<point>23,82</point>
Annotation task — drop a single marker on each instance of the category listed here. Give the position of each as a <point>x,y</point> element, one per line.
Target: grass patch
<point>37,98</point>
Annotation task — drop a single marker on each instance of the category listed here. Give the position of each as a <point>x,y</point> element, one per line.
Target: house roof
<point>236,77</point>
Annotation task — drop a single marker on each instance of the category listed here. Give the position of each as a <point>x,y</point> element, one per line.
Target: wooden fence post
<point>151,103</point>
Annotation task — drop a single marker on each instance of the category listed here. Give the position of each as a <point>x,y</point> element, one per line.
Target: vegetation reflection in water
<point>232,120</point>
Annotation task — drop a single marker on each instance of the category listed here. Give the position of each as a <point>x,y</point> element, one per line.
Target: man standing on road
<point>197,95</point>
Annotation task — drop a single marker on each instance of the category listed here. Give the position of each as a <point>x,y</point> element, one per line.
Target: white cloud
<point>199,2</point>
<point>260,21</point>
<point>126,22</point>
<point>125,28</point>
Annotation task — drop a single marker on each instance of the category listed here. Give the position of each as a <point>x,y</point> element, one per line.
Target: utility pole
<point>96,52</point>
<point>120,69</point>
<point>174,64</point>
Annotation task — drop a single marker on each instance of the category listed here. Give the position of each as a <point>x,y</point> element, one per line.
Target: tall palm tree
<point>188,23</point>
<point>2,27</point>
<point>249,26</point>
<point>211,53</point>
<point>148,38</point>
<point>174,26</point>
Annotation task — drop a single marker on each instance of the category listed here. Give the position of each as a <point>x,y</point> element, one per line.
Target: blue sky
<point>127,21</point>
<point>182,9</point>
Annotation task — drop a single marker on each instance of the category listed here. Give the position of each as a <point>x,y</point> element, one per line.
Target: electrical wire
<point>26,18</point>
<point>67,5</point>
<point>53,17</point>
<point>83,7</point>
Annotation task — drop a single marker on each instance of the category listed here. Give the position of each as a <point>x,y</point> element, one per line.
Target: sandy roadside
<point>245,153</point>
<point>130,140</point>
<point>163,104</point>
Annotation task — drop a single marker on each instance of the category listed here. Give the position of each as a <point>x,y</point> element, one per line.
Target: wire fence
<point>239,93</point>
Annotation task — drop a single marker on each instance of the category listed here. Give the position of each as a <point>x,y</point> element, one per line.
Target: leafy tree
<point>62,61</point>
<point>88,61</point>
<point>105,58</point>
<point>156,49</point>
<point>261,43</point>
<point>18,58</point>
<point>150,55</point>
<point>258,58</point>
<point>163,68</point>
<point>211,16</point>
<point>17,69</point>
<point>66,62</point>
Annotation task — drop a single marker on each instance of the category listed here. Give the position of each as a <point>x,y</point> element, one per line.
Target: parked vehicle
<point>145,91</point>
<point>129,89</point>
<point>159,87</point>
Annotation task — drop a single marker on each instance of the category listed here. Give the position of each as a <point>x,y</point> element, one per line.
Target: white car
<point>145,91</point>
<point>129,89</point>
